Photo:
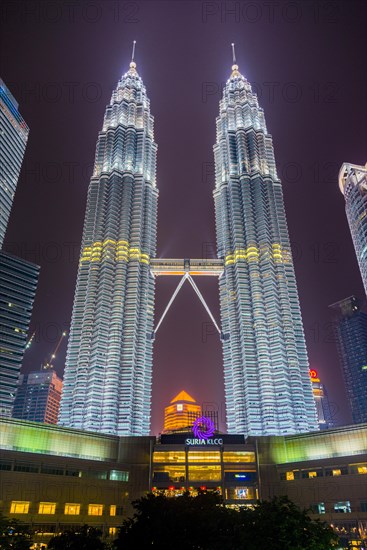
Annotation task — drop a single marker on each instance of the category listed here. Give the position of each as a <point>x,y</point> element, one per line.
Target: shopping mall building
<point>54,478</point>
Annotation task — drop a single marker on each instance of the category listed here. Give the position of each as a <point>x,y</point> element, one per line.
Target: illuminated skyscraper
<point>266,372</point>
<point>18,278</point>
<point>13,140</point>
<point>322,401</point>
<point>108,373</point>
<point>38,397</point>
<point>181,413</point>
<point>350,326</point>
<point>18,283</point>
<point>353,185</point>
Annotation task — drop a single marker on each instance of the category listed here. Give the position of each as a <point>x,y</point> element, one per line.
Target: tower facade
<point>266,371</point>
<point>108,372</point>
<point>350,326</point>
<point>181,413</point>
<point>13,140</point>
<point>18,284</point>
<point>38,397</point>
<point>322,401</point>
<point>353,185</point>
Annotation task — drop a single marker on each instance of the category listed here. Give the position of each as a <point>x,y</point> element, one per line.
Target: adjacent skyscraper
<point>18,283</point>
<point>38,397</point>
<point>18,278</point>
<point>181,413</point>
<point>322,401</point>
<point>13,140</point>
<point>353,185</point>
<point>350,325</point>
<point>266,371</point>
<point>108,373</point>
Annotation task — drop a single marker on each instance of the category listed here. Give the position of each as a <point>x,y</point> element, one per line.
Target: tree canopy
<point>204,523</point>
<point>14,535</point>
<point>85,538</point>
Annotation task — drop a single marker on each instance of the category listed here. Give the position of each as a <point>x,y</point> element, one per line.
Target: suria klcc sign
<point>203,430</point>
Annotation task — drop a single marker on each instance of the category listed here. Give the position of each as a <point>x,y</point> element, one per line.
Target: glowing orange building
<point>181,413</point>
<point>321,400</point>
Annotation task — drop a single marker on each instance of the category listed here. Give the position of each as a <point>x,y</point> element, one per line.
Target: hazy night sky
<point>307,61</point>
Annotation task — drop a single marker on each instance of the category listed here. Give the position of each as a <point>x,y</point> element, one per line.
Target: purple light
<point>203,427</point>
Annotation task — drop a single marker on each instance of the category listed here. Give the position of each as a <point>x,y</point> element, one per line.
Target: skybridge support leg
<point>200,296</point>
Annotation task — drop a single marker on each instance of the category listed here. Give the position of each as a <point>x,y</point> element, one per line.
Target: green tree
<point>204,523</point>
<point>200,522</point>
<point>85,538</point>
<point>281,525</point>
<point>14,535</point>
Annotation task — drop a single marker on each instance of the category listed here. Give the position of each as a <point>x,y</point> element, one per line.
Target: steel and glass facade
<point>18,283</point>
<point>38,397</point>
<point>13,140</point>
<point>353,185</point>
<point>350,326</point>
<point>108,372</point>
<point>321,397</point>
<point>266,372</point>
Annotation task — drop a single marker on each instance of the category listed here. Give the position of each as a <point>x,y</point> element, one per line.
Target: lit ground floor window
<point>19,507</point>
<point>205,473</point>
<point>72,509</point>
<point>47,508</point>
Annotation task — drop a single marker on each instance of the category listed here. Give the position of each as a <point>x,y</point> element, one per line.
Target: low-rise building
<point>56,478</point>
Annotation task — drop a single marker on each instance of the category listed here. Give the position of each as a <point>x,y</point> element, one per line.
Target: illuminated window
<point>113,510</point>
<point>179,407</point>
<point>336,471</point>
<point>169,456</point>
<point>72,509</point>
<point>47,508</point>
<point>95,509</point>
<point>204,456</point>
<point>312,474</point>
<point>118,475</point>
<point>238,456</point>
<point>19,507</point>
<point>169,473</point>
<point>343,507</point>
<point>362,469</point>
<point>318,508</point>
<point>205,473</point>
<point>240,493</point>
<point>112,530</point>
<point>289,476</point>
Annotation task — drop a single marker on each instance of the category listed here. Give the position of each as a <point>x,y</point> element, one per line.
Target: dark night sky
<point>307,61</point>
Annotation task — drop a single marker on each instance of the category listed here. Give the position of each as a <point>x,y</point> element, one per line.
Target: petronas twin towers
<point>108,373</point>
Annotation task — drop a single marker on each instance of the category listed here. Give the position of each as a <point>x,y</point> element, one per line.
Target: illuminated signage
<point>198,441</point>
<point>203,427</point>
<point>313,373</point>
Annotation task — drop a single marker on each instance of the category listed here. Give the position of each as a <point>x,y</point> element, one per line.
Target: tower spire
<point>132,62</point>
<point>235,71</point>
<point>233,54</point>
